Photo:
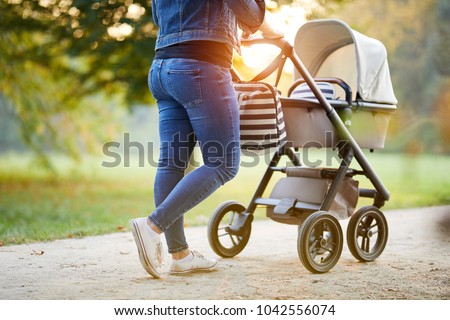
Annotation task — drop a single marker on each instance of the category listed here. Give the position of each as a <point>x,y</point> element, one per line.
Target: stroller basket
<point>309,187</point>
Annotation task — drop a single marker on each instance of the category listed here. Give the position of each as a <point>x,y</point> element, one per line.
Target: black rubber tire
<point>216,224</point>
<point>314,240</point>
<point>360,233</point>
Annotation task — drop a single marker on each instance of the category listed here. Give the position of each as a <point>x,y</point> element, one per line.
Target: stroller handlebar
<point>287,51</point>
<point>279,42</point>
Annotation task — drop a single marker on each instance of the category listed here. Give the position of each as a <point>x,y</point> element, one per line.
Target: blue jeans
<point>196,102</point>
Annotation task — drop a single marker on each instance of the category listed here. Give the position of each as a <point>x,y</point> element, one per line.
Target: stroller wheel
<point>367,233</point>
<point>229,229</point>
<point>320,242</point>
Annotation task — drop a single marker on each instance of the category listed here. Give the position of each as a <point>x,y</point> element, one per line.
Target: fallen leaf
<point>120,228</point>
<point>1,244</point>
<point>284,298</point>
<point>70,235</point>
<point>398,268</point>
<point>37,253</point>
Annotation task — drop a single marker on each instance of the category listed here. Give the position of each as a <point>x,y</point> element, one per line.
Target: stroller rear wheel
<point>320,242</point>
<point>229,229</point>
<point>367,233</point>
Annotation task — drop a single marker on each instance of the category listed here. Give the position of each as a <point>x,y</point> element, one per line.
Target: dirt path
<point>414,265</point>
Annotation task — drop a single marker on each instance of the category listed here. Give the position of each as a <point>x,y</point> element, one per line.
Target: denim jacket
<point>214,20</point>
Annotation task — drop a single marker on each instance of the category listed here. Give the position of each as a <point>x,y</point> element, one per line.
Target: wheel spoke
<point>367,248</point>
<point>323,228</point>
<point>232,240</point>
<point>364,224</point>
<point>332,243</point>
<point>314,253</point>
<point>230,222</point>
<point>319,230</point>
<point>328,249</point>
<point>368,221</point>
<point>360,231</point>
<point>313,245</point>
<point>373,226</point>
<point>222,235</point>
<point>363,243</point>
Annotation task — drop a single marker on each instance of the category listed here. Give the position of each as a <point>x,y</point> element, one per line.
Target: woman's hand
<point>268,31</point>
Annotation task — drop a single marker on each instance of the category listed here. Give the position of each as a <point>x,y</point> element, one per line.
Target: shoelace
<point>198,254</point>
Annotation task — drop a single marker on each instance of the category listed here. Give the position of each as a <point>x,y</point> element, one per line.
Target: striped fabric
<point>261,116</point>
<point>304,92</point>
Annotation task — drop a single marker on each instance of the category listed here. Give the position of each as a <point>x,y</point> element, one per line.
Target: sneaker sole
<point>194,270</point>
<point>145,261</point>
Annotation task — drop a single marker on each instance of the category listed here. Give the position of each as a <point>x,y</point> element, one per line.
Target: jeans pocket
<point>185,86</point>
<point>225,73</point>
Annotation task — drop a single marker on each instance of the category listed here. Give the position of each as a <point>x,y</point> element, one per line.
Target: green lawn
<point>88,199</point>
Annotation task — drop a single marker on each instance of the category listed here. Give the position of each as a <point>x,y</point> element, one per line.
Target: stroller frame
<point>319,222</point>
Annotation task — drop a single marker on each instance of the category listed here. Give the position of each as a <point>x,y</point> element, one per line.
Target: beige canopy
<point>330,48</point>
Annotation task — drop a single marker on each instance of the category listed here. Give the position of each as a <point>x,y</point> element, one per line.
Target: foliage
<point>416,34</point>
<point>104,44</point>
<point>58,59</point>
<point>441,52</point>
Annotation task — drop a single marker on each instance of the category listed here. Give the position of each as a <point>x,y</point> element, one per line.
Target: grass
<point>89,199</point>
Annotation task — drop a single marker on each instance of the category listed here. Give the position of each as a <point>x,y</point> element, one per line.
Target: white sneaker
<point>197,263</point>
<point>150,249</point>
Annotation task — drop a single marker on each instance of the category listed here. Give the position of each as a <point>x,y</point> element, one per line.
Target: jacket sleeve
<point>248,12</point>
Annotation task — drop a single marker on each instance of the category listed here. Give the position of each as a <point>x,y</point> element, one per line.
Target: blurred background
<point>74,99</point>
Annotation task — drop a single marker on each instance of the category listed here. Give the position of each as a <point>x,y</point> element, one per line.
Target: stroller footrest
<point>300,205</point>
<point>284,206</point>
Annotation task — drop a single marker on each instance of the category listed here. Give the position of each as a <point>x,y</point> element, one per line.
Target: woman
<point>191,82</point>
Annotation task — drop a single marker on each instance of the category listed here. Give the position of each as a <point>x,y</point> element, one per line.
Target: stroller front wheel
<point>320,242</point>
<point>367,233</point>
<point>229,229</point>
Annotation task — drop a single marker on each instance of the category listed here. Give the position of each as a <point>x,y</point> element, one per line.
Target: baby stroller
<point>330,60</point>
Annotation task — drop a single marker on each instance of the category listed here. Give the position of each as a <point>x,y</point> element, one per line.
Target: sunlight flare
<point>287,19</point>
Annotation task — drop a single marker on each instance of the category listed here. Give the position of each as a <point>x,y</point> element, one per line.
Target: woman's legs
<point>177,143</point>
<point>204,93</point>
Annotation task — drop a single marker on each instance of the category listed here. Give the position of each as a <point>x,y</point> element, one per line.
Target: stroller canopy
<point>330,48</point>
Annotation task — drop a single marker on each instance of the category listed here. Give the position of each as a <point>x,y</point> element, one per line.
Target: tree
<point>441,47</point>
<point>441,59</point>
<point>112,41</point>
<point>57,57</point>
